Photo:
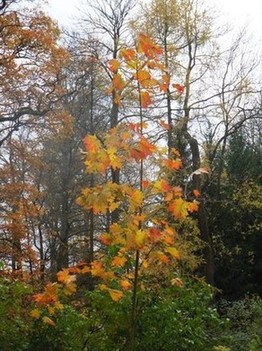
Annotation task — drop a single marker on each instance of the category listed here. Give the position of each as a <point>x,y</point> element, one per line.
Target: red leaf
<point>179,88</point>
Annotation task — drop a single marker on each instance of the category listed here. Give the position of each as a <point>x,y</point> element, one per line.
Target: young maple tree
<point>142,242</point>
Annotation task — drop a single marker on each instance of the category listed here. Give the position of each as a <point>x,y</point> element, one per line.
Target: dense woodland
<point>130,180</point>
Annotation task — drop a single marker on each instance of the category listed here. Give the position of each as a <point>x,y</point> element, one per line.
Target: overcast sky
<point>236,12</point>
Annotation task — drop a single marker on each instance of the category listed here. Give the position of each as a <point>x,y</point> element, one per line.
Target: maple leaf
<point>118,261</point>
<point>142,75</point>
<point>201,170</point>
<point>142,149</point>
<point>162,257</point>
<point>162,186</point>
<point>179,88</point>
<point>136,199</point>
<point>145,99</point>
<point>196,193</point>
<point>92,144</point>
<point>164,84</point>
<point>154,234</point>
<point>178,208</point>
<point>63,276</point>
<point>118,82</point>
<point>172,164</point>
<point>49,296</point>
<point>105,239</point>
<point>164,125</point>
<point>48,321</point>
<point>173,252</point>
<point>115,160</point>
<point>69,289</point>
<point>148,46</point>
<point>35,313</point>
<point>140,237</point>
<point>125,284</point>
<point>193,206</point>
<point>97,269</point>
<point>116,295</point>
<point>85,269</point>
<point>177,281</point>
<point>113,65</point>
<point>74,270</point>
<point>128,54</point>
<point>146,184</point>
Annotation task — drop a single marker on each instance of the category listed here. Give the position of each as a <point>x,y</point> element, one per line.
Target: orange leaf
<point>73,270</point>
<point>91,143</point>
<point>116,295</point>
<point>146,184</point>
<point>163,258</point>
<point>154,234</point>
<point>164,125</point>
<point>142,75</point>
<point>127,54</point>
<point>85,269</point>
<point>172,164</point>
<point>178,208</point>
<point>119,261</point>
<point>164,85</point>
<point>125,284</point>
<point>113,65</point>
<point>118,82</point>
<point>193,206</point>
<point>105,239</point>
<point>148,46</point>
<point>63,276</point>
<point>179,88</point>
<point>196,193</point>
<point>97,269</point>
<point>145,99</point>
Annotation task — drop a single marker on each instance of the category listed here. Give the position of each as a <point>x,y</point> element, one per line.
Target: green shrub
<point>14,319</point>
<point>245,321</point>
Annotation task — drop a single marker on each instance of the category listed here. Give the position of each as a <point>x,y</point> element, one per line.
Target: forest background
<point>130,158</point>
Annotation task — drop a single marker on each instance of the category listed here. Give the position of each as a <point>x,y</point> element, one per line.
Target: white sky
<point>236,12</point>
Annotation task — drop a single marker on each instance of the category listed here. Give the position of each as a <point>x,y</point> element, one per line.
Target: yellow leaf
<point>173,252</point>
<point>140,238</point>
<point>136,199</point>
<point>115,160</point>
<point>116,295</point>
<point>69,289</point>
<point>178,208</point>
<point>177,281</point>
<point>35,313</point>
<point>48,320</point>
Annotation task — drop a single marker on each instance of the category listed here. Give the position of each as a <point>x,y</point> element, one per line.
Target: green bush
<point>169,318</point>
<point>68,334</point>
<point>245,321</point>
<point>14,319</point>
